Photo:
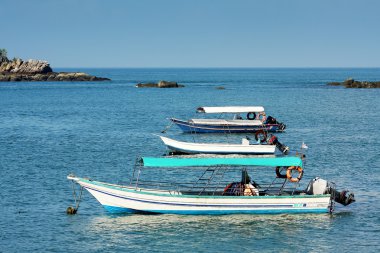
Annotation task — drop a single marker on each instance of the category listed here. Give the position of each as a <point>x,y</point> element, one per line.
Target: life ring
<point>264,136</point>
<point>251,115</point>
<point>289,174</point>
<point>278,174</point>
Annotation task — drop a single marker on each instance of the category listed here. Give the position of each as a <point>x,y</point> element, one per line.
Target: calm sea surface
<point>48,130</point>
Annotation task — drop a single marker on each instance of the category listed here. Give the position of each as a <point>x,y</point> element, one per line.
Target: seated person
<point>264,117</point>
<point>249,188</point>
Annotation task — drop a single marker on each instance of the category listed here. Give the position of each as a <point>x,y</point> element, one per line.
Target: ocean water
<point>96,130</point>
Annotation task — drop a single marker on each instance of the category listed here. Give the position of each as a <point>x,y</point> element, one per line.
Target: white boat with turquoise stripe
<point>215,185</point>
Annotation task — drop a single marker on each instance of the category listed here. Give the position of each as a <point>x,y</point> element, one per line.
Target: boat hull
<point>217,148</point>
<point>120,199</point>
<point>189,127</point>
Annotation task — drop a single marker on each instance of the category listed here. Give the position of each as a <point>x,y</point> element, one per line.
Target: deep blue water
<point>48,130</point>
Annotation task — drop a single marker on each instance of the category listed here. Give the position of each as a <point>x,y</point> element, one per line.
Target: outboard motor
<point>321,186</point>
<point>282,126</point>
<point>344,197</point>
<point>283,148</point>
<point>272,120</point>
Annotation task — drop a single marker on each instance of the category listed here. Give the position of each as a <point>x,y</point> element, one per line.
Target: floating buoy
<point>71,210</point>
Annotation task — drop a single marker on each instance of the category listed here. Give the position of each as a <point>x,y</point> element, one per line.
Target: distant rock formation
<point>26,67</point>
<point>50,77</point>
<point>351,83</point>
<point>160,84</point>
<point>36,70</point>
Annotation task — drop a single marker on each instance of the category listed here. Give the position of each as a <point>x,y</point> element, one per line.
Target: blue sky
<point>196,33</point>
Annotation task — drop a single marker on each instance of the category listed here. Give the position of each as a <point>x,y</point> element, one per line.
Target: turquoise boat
<point>216,185</point>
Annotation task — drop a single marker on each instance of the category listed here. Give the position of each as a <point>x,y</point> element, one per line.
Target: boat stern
<point>321,186</point>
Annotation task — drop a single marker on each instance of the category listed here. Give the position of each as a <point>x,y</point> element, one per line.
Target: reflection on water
<point>221,232</point>
<point>281,222</point>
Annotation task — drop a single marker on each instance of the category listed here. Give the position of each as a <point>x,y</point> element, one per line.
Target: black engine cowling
<point>273,121</point>
<point>321,186</point>
<point>344,197</point>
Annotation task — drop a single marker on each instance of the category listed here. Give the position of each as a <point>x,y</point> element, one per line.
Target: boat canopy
<point>230,109</point>
<point>201,162</point>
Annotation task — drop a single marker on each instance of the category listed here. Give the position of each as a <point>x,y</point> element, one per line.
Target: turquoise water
<point>48,130</point>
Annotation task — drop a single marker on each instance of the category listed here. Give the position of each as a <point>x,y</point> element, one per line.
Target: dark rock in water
<point>146,85</point>
<point>351,83</point>
<point>37,71</point>
<point>166,84</point>
<point>220,88</point>
<point>50,77</point>
<point>160,84</point>
<point>334,84</point>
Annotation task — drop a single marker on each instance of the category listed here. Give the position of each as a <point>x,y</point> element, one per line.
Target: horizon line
<point>294,67</point>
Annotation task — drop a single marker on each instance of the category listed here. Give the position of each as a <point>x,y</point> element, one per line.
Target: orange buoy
<point>289,174</point>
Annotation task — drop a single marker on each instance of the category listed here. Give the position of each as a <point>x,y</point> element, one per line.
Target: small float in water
<point>254,119</point>
<point>217,185</point>
<point>245,148</point>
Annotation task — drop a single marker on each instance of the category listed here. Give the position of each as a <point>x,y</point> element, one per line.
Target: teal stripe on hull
<point>113,209</point>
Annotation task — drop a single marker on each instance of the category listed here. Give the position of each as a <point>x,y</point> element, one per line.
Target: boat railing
<point>213,180</point>
<point>212,188</point>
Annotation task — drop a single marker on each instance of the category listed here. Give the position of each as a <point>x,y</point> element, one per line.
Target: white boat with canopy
<point>217,185</point>
<point>244,119</point>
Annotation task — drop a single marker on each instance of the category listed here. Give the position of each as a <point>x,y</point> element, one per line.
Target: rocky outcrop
<point>49,77</point>
<point>160,84</point>
<point>351,83</point>
<point>147,85</point>
<point>35,70</point>
<point>26,67</point>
